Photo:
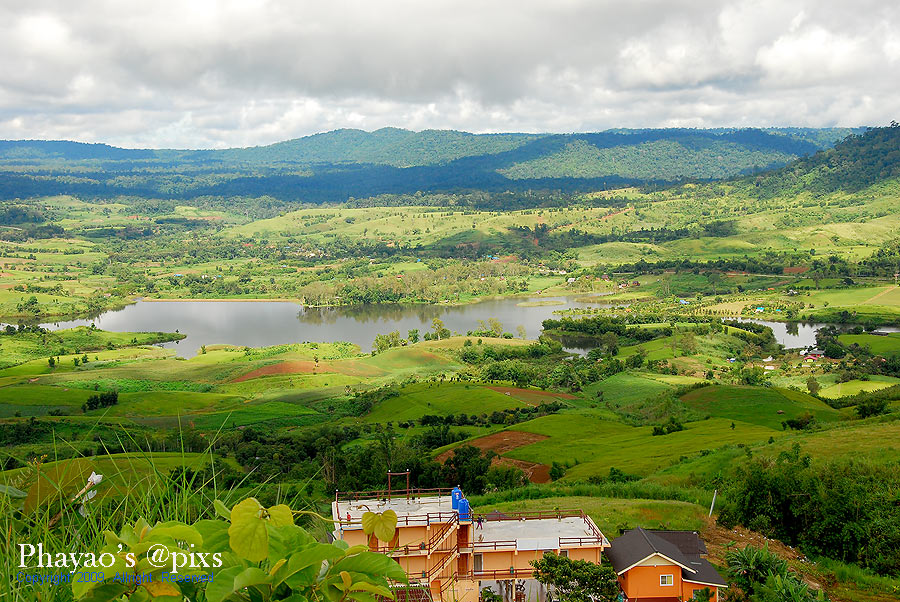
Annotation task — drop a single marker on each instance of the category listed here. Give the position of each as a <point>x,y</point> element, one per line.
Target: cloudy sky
<point>219,73</point>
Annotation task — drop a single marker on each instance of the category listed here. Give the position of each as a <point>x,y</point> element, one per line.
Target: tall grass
<point>36,506</point>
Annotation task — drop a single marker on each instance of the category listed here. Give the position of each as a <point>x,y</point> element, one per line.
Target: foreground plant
<point>249,553</point>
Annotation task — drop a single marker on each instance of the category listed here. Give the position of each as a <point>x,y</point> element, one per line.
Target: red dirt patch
<point>796,270</point>
<point>505,441</point>
<point>536,473</point>
<point>606,217</point>
<point>309,367</point>
<point>532,397</point>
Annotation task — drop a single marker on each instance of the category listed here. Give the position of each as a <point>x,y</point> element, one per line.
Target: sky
<point>235,73</point>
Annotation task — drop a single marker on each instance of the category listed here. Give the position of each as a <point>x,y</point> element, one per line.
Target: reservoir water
<point>262,323</point>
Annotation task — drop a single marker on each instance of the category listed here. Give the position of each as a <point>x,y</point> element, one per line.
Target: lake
<point>263,323</point>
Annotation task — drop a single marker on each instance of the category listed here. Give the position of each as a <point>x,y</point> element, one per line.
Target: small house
<point>663,566</point>
<point>814,354</point>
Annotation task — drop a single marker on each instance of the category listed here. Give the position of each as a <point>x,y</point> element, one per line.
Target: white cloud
<point>217,73</point>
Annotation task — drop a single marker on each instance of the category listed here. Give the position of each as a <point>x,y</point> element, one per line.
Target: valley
<point>637,348</point>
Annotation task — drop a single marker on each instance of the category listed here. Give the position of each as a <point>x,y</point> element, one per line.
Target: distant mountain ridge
<point>404,148</point>
<point>337,165</point>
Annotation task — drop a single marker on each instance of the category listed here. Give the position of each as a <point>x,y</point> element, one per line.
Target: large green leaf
<point>371,563</point>
<point>249,577</point>
<point>214,534</point>
<point>177,532</point>
<point>281,515</point>
<point>223,584</point>
<point>235,580</point>
<point>383,525</point>
<point>247,534</point>
<point>309,558</point>
<point>283,541</point>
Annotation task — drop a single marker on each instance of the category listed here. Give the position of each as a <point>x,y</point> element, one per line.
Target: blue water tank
<point>455,496</point>
<point>465,513</point>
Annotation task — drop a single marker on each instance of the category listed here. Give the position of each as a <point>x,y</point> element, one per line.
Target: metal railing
<point>384,494</point>
<point>574,542</point>
<point>494,545</point>
<point>409,520</point>
<point>430,574</point>
<point>549,514</point>
<point>499,574</point>
<point>410,548</point>
<point>529,514</point>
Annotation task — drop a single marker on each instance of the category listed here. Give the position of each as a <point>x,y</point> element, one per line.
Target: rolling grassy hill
<point>765,407</point>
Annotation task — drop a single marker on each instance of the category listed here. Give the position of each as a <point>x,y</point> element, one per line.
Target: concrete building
<point>451,552</point>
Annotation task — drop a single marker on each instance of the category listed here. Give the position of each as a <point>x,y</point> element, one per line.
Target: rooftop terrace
<point>536,531</point>
<point>416,507</point>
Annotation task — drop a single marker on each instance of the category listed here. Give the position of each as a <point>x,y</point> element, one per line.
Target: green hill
<point>338,165</point>
<point>857,162</point>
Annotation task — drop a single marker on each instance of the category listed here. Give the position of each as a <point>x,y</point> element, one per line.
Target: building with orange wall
<point>663,566</point>
<point>451,552</point>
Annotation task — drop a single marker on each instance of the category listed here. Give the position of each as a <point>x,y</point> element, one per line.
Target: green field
<point>591,446</point>
<point>765,407</point>
<point>853,387</point>
<point>626,388</point>
<point>441,399</point>
<point>880,344</point>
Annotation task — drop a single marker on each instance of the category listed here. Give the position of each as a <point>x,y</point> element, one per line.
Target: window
<point>564,553</point>
<point>479,564</point>
<point>667,580</point>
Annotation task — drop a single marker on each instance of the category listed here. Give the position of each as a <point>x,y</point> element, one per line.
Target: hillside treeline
<point>853,164</point>
<point>843,509</point>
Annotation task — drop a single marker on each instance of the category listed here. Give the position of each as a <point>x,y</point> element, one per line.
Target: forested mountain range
<point>338,165</point>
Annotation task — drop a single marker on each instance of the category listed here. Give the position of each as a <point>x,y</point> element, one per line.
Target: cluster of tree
<point>841,509</point>
<point>477,354</point>
<point>363,401</point>
<point>803,422</point>
<point>18,432</point>
<point>510,416</point>
<point>322,452</point>
<point>751,332</point>
<point>569,580</point>
<point>623,326</point>
<point>883,262</point>
<point>671,426</point>
<point>104,399</point>
<point>770,262</point>
<point>615,476</point>
<point>439,435</point>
